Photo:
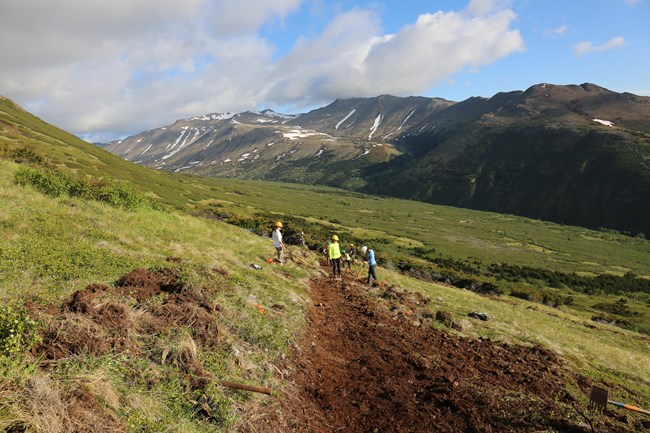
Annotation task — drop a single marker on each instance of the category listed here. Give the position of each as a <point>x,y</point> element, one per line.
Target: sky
<point>107,69</point>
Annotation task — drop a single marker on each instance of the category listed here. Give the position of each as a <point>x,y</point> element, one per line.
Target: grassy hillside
<point>457,233</point>
<point>52,248</point>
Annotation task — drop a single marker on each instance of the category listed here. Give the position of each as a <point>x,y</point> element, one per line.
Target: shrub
<point>56,182</point>
<point>24,154</point>
<point>17,330</point>
<point>525,294</point>
<point>604,283</point>
<point>50,182</point>
<point>619,307</point>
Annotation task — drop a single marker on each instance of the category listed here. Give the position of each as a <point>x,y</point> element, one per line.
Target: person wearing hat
<point>347,260</point>
<point>372,263</point>
<point>335,257</point>
<point>277,241</point>
<point>353,252</point>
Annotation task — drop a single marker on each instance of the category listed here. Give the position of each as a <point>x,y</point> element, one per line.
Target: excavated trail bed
<point>367,362</point>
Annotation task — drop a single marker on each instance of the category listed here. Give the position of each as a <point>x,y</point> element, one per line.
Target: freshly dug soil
<point>368,362</point>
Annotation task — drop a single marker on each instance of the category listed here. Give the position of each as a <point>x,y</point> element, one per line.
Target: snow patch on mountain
<point>145,151</point>
<point>375,125</point>
<point>198,133</point>
<point>400,127</point>
<point>183,131</point>
<point>271,113</point>
<point>345,118</point>
<point>214,116</point>
<point>365,152</point>
<point>604,122</point>
<point>407,118</point>
<point>279,157</point>
<point>298,132</point>
<point>189,165</point>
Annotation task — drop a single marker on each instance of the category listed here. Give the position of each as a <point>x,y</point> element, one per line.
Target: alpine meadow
<point>142,299</point>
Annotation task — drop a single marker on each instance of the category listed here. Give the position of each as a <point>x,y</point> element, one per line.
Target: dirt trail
<point>367,362</point>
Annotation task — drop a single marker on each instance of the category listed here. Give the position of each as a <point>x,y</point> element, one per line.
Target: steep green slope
<point>21,130</point>
<point>582,177</point>
<point>84,374</point>
<point>545,153</point>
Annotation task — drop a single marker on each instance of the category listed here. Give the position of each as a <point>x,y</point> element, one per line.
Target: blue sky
<point>105,69</point>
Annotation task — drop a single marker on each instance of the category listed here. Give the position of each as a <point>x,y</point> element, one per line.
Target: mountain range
<point>573,154</point>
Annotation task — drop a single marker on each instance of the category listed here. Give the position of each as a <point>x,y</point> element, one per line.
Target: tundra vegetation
<point>100,259</point>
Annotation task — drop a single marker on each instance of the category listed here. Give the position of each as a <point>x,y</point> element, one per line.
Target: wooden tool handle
<point>260,389</point>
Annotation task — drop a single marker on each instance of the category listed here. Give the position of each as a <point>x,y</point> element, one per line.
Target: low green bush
<point>605,283</point>
<point>56,182</point>
<point>620,308</point>
<point>17,330</point>
<point>25,154</point>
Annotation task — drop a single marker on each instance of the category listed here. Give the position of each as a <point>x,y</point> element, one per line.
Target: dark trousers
<point>372,272</point>
<point>336,266</point>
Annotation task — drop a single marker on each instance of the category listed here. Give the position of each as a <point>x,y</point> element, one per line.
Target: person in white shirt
<point>277,241</point>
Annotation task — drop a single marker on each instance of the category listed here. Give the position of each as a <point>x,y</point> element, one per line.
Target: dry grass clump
<point>99,385</point>
<point>43,407</point>
<point>179,349</point>
<point>87,406</point>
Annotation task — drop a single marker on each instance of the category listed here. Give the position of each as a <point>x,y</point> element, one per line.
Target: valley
<point>575,155</point>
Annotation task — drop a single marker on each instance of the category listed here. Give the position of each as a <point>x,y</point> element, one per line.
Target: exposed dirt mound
<point>368,363</point>
<point>100,318</point>
<point>103,319</point>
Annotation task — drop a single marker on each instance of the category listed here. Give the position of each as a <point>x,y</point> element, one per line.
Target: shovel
<point>360,271</point>
<point>599,399</point>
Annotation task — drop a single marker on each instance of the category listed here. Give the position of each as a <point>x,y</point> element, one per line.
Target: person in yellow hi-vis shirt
<point>335,257</point>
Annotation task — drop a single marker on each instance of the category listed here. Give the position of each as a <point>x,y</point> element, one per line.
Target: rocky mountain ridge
<point>576,154</point>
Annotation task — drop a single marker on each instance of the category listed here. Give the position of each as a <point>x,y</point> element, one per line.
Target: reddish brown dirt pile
<point>368,363</point>
<point>100,318</point>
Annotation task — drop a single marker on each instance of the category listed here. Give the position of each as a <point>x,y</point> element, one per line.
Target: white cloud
<point>242,17</point>
<point>557,32</point>
<point>487,7</point>
<point>582,48</point>
<point>103,67</point>
<point>351,58</point>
